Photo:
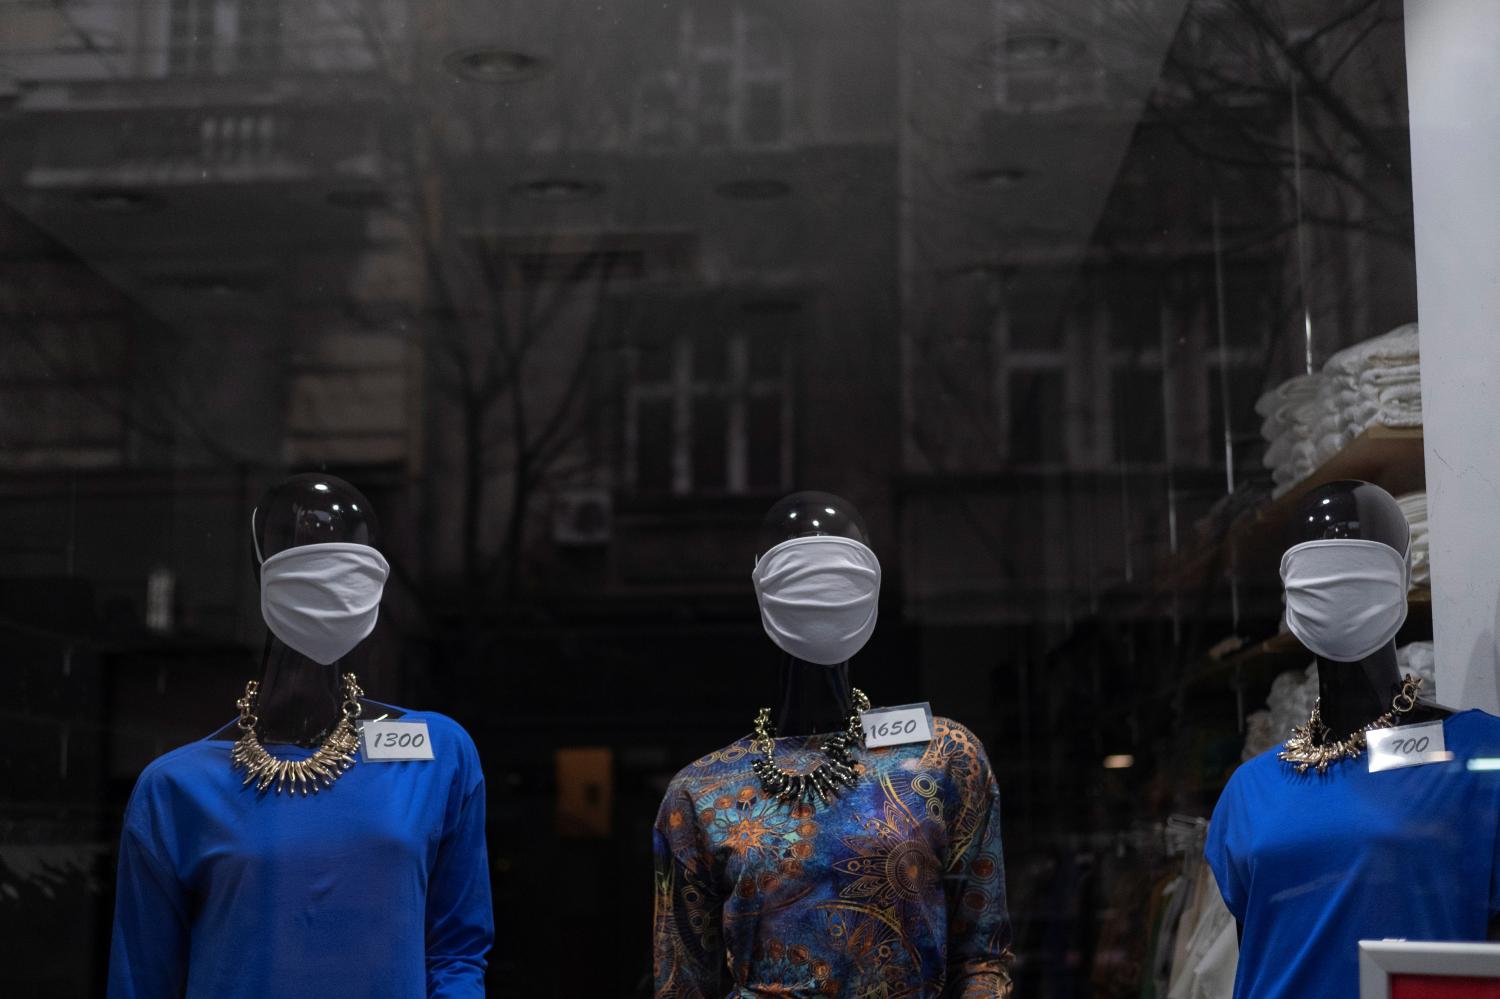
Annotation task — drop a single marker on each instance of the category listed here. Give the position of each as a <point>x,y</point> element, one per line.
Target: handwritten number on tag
<point>1407,746</point>
<point>897,726</point>
<point>885,728</point>
<point>393,741</point>
<point>400,740</point>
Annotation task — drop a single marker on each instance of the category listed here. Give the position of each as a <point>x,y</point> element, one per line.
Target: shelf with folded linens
<point>1390,457</point>
<point>1358,417</point>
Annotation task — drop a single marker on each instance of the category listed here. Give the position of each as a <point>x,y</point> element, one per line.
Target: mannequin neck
<point>300,701</point>
<point>1351,695</point>
<point>812,698</point>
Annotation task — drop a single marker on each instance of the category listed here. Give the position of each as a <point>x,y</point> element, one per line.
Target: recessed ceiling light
<point>358,198</point>
<point>1033,47</point>
<point>210,285</point>
<point>994,178</point>
<point>771,306</point>
<point>754,189</point>
<point>116,199</point>
<point>485,64</point>
<point>1119,761</point>
<point>559,189</point>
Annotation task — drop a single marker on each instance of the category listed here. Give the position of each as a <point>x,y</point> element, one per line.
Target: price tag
<point>897,726</point>
<point>390,741</point>
<point>1406,746</point>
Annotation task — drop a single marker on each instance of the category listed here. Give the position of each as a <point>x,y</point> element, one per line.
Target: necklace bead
<point>825,781</point>
<point>334,755</point>
<point>1307,748</point>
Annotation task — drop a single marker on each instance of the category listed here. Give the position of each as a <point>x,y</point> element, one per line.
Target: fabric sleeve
<point>1218,850</point>
<point>687,932</point>
<point>149,946</point>
<point>460,916</point>
<point>979,929</point>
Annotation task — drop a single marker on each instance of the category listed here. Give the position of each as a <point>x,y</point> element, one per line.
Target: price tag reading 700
<point>897,726</point>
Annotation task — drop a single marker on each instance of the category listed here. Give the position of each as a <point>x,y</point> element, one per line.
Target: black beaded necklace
<point>825,781</point>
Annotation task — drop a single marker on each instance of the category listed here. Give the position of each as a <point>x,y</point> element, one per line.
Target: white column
<point>1453,72</point>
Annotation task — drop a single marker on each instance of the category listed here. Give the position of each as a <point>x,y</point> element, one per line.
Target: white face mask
<point>818,597</point>
<point>1345,597</point>
<point>322,600</point>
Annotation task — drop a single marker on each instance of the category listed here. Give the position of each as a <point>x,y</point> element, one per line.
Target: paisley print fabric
<point>895,889</point>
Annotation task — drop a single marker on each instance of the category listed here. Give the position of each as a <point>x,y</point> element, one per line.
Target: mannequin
<point>806,858</point>
<point>301,700</point>
<point>364,871</point>
<point>811,698</point>
<point>1321,842</point>
<point>1353,694</point>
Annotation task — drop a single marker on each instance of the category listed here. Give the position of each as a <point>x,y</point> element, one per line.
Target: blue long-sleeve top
<point>377,886</point>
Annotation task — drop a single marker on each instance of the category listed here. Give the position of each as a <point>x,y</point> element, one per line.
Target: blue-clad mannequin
<point>376,884</point>
<point>1311,860</point>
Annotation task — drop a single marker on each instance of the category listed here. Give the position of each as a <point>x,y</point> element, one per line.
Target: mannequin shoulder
<point>955,743</point>
<point>183,762</point>
<point>445,733</point>
<point>713,769</point>
<point>178,774</point>
<point>1474,730</point>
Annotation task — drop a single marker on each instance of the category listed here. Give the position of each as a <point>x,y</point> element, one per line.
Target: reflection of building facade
<point>575,322</point>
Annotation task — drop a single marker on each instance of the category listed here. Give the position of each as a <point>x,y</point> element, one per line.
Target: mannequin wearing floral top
<point>895,888</point>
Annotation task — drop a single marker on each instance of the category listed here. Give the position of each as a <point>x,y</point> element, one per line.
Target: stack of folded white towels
<point>1309,418</point>
<point>1418,659</point>
<point>1414,505</point>
<point>1289,414</point>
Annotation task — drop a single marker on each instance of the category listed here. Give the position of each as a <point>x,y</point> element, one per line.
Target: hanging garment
<point>1312,864</point>
<point>896,887</point>
<point>1205,965</point>
<point>376,886</point>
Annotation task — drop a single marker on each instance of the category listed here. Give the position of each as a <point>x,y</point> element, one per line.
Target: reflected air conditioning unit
<point>582,517</point>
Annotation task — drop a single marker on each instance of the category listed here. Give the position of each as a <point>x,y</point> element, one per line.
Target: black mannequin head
<point>1349,508</point>
<point>806,514</point>
<point>1352,694</point>
<point>811,697</point>
<point>309,509</point>
<point>301,700</point>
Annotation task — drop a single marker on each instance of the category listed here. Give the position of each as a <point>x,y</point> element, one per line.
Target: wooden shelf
<point>1390,457</point>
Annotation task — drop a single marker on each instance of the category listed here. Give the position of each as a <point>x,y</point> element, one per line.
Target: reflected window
<point>1136,395</point>
<point>1134,303</point>
<point>1038,417</point>
<point>1033,335</point>
<point>191,37</point>
<point>708,408</point>
<point>251,34</point>
<point>740,76</point>
<point>258,38</point>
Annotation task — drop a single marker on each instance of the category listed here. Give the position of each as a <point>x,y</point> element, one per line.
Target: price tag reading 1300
<point>389,741</point>
<point>897,726</point>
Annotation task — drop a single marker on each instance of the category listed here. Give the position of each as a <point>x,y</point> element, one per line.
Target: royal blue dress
<point>1310,865</point>
<point>897,887</point>
<point>377,886</point>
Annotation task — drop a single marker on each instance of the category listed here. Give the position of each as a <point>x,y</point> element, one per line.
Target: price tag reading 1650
<point>897,726</point>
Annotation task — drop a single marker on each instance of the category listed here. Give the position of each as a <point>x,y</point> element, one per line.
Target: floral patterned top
<point>896,888</point>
